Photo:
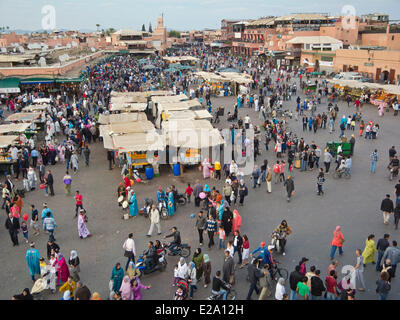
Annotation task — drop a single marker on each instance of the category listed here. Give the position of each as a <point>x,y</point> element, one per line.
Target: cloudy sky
<point>178,14</point>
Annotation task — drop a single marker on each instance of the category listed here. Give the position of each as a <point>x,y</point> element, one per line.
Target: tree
<point>97,25</point>
<point>150,29</point>
<point>174,34</point>
<point>143,28</point>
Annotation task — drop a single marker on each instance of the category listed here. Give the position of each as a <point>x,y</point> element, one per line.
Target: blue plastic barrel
<point>149,173</point>
<point>177,169</point>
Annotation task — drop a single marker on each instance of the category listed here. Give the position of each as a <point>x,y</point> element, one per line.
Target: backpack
<point>276,168</point>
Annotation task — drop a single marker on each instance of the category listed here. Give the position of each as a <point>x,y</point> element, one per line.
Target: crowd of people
<point>71,127</point>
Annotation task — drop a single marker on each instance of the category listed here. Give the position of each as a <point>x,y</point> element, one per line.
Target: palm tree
<point>97,25</point>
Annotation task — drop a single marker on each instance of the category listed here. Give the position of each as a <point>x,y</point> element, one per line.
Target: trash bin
<point>177,169</point>
<point>149,173</point>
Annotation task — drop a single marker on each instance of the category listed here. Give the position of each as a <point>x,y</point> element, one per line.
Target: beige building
<point>379,65</point>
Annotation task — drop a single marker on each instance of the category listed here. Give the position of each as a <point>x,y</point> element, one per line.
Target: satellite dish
<point>93,49</point>
<point>21,49</point>
<point>63,58</point>
<point>74,44</point>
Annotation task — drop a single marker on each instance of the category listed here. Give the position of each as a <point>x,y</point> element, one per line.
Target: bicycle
<point>278,272</point>
<point>339,174</point>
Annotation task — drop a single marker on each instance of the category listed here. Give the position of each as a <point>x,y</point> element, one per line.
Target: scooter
<point>160,265</point>
<point>276,242</point>
<point>162,208</point>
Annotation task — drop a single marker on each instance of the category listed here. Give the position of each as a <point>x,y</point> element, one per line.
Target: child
<point>176,278</point>
<point>353,124</point>
<point>24,228</point>
<point>188,192</point>
<point>221,236</point>
<point>212,173</point>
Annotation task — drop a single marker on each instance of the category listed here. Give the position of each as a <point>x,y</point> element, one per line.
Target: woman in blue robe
<point>33,261</point>
<point>171,204</point>
<point>133,205</point>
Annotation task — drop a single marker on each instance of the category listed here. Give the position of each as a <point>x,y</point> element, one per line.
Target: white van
<point>348,76</point>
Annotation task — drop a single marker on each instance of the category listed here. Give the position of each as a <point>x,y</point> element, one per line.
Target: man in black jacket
<point>254,274</point>
<point>317,286</point>
<point>12,225</point>
<point>237,245</point>
<point>218,286</point>
<point>381,245</point>
<point>52,245</point>
<point>50,182</point>
<point>200,224</point>
<point>176,242</point>
<point>294,278</point>
<point>387,208</point>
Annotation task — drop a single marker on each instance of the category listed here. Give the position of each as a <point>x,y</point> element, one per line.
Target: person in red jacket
<point>337,242</point>
<point>188,192</point>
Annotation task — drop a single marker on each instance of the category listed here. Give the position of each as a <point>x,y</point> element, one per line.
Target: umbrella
<point>148,67</point>
<point>171,70</point>
<point>229,70</point>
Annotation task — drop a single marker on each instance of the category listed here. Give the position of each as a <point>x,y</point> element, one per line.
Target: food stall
<point>6,163</point>
<point>190,137</point>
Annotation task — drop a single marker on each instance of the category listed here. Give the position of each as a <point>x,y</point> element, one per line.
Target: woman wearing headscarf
<point>133,205</point>
<point>198,262</point>
<point>95,296</point>
<point>206,269</point>
<point>62,269</point>
<point>191,277</point>
<point>280,289</point>
<point>82,229</point>
<point>74,265</point>
<point>137,289</point>
<point>206,168</point>
<point>171,204</point>
<point>237,221</point>
<point>226,221</point>
<point>66,296</point>
<point>126,289</point>
<point>370,249</point>
<point>117,276</point>
<point>182,268</point>
<point>132,271</point>
<point>337,242</point>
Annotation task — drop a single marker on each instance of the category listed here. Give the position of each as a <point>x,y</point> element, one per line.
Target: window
<point>392,38</point>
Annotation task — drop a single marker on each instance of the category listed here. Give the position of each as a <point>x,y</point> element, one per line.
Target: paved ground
<point>353,204</point>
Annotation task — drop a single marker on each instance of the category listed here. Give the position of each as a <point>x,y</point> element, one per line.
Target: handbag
<point>42,186</point>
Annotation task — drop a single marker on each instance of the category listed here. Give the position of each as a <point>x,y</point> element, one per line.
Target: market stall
<point>121,117</point>
<point>6,162</point>
<point>190,137</point>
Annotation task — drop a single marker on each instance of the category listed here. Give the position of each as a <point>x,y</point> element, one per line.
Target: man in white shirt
<point>130,251</point>
<point>155,220</point>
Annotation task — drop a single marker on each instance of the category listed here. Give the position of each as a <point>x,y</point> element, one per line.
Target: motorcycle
<point>160,265</point>
<point>147,207</point>
<point>276,242</point>
<point>180,199</point>
<point>182,250</point>
<point>230,295</point>
<point>162,208</point>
